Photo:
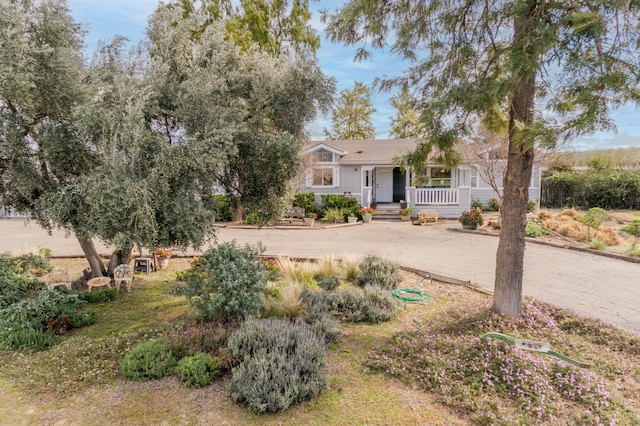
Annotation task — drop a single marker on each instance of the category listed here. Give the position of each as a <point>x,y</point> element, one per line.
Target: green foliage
<point>534,230</point>
<point>14,283</point>
<point>333,215</point>
<point>592,219</point>
<point>351,117</point>
<point>375,271</point>
<point>32,264</point>
<point>319,314</point>
<point>221,206</point>
<point>347,205</point>
<point>493,205</point>
<point>471,218</point>
<point>531,205</point>
<point>633,229</point>
<point>607,189</point>
<point>406,123</point>
<point>227,283</point>
<point>148,361</point>
<point>280,364</point>
<point>102,295</point>
<point>27,339</point>
<point>199,370</point>
<point>306,200</point>
<point>28,319</point>
<point>472,376</point>
<point>186,339</point>
<point>371,304</point>
<point>252,219</point>
<point>328,283</point>
<point>276,27</point>
<point>476,204</point>
<point>597,244</point>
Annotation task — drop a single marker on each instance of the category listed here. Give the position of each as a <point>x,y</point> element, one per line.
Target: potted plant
<point>367,214</point>
<point>352,218</point>
<point>161,258</point>
<point>471,219</point>
<point>405,214</point>
<point>310,218</point>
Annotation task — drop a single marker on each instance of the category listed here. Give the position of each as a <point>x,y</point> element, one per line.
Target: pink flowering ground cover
<point>491,382</point>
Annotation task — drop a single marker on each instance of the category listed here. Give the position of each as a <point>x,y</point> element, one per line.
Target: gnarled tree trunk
<point>90,252</point>
<point>119,257</point>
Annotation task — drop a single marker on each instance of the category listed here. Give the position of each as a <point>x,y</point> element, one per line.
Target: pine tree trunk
<point>90,252</point>
<point>507,296</point>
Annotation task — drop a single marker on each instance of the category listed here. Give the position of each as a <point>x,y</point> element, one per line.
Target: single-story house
<point>365,170</point>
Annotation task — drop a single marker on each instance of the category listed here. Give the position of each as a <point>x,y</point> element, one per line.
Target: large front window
<point>440,178</point>
<point>322,176</point>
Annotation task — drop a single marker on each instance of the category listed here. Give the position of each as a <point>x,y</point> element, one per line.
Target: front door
<point>384,184</point>
<point>399,184</point>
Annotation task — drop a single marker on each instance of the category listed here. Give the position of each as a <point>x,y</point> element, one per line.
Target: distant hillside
<point>627,158</point>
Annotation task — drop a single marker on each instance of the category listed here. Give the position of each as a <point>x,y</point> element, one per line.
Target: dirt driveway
<point>593,285</point>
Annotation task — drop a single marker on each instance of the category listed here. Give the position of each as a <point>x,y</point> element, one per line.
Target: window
<point>474,177</point>
<point>323,177</point>
<point>440,177</point>
<point>324,156</point>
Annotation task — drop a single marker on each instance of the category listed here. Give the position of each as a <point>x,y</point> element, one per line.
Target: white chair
<point>123,274</point>
<point>58,278</point>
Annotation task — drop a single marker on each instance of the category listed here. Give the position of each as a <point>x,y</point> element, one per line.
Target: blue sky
<point>106,18</point>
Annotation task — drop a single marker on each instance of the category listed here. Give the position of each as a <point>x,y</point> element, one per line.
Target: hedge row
<point>606,189</point>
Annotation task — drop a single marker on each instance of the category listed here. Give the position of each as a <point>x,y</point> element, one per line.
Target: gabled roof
<point>377,151</point>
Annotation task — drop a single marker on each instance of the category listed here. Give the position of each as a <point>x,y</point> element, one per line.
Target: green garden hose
<point>421,296</point>
<point>510,340</point>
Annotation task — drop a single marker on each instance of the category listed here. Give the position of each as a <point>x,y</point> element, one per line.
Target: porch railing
<point>436,196</point>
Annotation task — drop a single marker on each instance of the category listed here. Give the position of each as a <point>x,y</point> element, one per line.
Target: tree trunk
<point>507,296</point>
<point>90,252</point>
<point>118,257</point>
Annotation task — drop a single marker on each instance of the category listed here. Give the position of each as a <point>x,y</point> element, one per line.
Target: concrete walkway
<point>593,285</point>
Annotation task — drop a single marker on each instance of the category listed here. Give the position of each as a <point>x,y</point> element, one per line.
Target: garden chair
<point>58,278</point>
<point>123,274</point>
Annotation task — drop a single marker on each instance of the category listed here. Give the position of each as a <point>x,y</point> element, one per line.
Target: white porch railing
<point>436,196</point>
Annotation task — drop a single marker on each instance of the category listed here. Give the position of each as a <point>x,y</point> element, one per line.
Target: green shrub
<point>533,230</point>
<point>102,295</point>
<point>307,202</point>
<point>34,313</point>
<point>328,283</point>
<point>252,219</point>
<point>199,370</point>
<point>15,282</point>
<point>347,205</point>
<point>280,364</point>
<point>318,313</point>
<point>597,244</point>
<point>378,272</point>
<point>633,229</point>
<point>189,338</point>
<point>30,339</point>
<point>493,205</point>
<point>227,283</point>
<point>148,361</point>
<point>371,304</point>
<point>333,215</point>
<point>476,204</point>
<point>532,205</point>
<point>80,319</point>
<point>222,207</point>
<point>606,189</point>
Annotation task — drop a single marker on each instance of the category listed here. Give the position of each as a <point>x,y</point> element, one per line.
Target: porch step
<point>388,212</point>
